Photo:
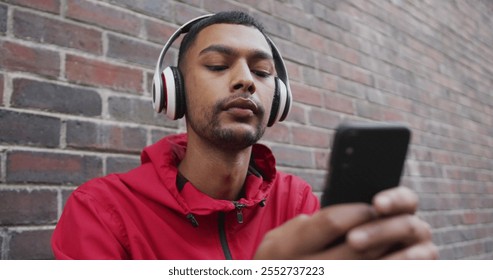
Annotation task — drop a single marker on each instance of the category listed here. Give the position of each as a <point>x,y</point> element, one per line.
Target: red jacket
<point>148,214</point>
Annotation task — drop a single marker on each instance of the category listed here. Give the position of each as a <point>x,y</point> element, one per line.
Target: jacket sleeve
<point>87,230</point>
<point>309,203</point>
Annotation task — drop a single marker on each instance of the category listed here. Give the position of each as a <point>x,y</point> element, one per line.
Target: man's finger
<point>395,201</point>
<point>306,235</point>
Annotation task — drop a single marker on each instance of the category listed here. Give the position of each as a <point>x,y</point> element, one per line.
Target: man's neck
<point>214,171</point>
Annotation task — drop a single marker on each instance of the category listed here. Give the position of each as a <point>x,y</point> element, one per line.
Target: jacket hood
<point>165,156</point>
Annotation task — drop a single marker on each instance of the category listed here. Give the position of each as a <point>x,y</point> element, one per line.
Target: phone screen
<point>365,159</point>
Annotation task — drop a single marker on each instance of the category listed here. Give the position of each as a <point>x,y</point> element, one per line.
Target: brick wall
<point>75,79</point>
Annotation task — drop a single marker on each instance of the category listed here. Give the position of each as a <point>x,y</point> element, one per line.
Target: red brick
<point>16,57</point>
<point>52,6</point>
<point>28,207</point>
<point>306,94</point>
<point>51,168</point>
<point>46,30</point>
<point>306,136</point>
<point>99,73</point>
<point>104,16</point>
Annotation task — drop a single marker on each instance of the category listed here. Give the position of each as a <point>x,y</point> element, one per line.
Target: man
<point>214,193</point>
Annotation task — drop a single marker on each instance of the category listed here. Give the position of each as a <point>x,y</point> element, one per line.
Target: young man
<point>214,193</point>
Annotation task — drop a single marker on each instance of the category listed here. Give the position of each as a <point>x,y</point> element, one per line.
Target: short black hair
<point>231,17</point>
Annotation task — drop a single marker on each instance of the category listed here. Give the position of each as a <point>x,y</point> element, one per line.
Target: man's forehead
<point>233,35</point>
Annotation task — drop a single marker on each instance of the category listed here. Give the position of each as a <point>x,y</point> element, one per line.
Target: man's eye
<point>216,67</point>
<point>261,74</point>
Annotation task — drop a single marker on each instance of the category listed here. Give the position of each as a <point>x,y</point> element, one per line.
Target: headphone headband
<point>161,89</point>
<point>183,29</point>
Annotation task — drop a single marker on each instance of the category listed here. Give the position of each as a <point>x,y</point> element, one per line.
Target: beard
<point>208,126</point>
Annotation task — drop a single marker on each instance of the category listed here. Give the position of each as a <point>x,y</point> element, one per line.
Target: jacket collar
<point>166,154</point>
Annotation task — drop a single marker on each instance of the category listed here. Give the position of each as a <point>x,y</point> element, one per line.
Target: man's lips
<point>242,103</point>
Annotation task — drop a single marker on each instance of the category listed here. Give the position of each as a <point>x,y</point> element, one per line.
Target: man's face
<point>229,83</point>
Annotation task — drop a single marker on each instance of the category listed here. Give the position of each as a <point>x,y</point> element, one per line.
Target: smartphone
<point>366,158</point>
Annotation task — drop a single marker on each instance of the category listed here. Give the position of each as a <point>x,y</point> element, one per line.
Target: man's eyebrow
<point>256,53</point>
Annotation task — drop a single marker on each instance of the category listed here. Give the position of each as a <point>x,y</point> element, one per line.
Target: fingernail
<point>415,254</point>
<point>383,203</point>
<point>358,237</point>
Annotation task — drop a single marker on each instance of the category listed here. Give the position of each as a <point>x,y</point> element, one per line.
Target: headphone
<point>168,91</point>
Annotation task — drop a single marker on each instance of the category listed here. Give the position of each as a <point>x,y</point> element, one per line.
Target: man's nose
<point>242,79</point>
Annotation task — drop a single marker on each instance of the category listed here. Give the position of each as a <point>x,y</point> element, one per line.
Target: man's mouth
<point>242,104</point>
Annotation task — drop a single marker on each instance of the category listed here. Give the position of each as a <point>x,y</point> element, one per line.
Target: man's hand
<point>387,229</point>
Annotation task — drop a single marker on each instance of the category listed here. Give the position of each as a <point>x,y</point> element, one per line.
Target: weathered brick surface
<point>137,111</point>
<point>28,207</point>
<point>30,245</point>
<point>1,89</point>
<point>76,81</point>
<point>55,98</point>
<point>25,167</point>
<point>30,26</point>
<point>99,73</point>
<point>3,19</point>
<point>132,51</point>
<point>29,129</point>
<point>90,135</point>
<point>52,6</point>
<point>16,57</point>
<point>121,164</point>
<point>104,16</point>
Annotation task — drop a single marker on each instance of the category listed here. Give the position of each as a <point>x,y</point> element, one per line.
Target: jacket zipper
<point>239,211</point>
<point>222,228</point>
<point>222,236</point>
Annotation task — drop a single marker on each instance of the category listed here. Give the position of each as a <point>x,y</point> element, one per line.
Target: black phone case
<point>365,159</point>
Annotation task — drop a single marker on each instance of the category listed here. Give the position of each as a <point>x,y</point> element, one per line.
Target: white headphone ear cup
<point>180,107</point>
<point>158,97</point>
<point>286,100</point>
<point>279,102</point>
<point>174,93</point>
<point>169,93</point>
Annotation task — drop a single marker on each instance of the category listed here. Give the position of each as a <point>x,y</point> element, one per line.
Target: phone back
<point>365,159</point>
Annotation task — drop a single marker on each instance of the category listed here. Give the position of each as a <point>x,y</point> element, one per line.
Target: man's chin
<point>238,137</point>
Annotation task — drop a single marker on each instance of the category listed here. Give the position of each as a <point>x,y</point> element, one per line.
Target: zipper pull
<point>262,202</point>
<point>239,211</point>
<point>192,220</point>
